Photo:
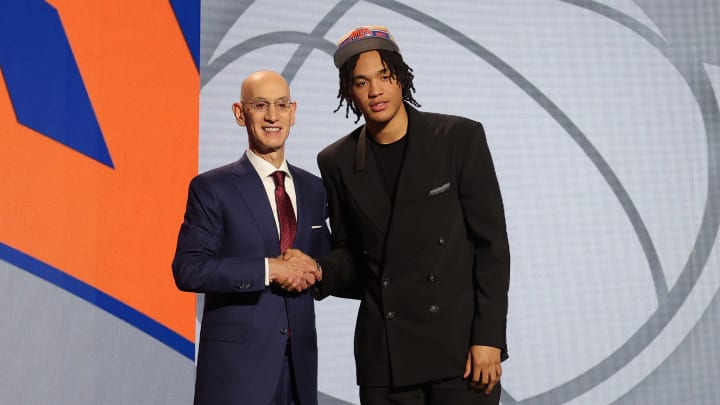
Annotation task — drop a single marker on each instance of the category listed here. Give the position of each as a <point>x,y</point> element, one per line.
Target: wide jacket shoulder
<point>436,124</point>
<point>343,146</point>
<point>240,167</point>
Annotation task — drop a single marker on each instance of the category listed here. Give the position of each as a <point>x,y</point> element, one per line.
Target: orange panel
<point>114,229</point>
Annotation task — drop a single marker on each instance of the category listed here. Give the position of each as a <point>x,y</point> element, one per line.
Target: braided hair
<point>399,71</point>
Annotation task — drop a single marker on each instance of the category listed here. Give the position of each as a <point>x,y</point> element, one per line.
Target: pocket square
<point>316,227</point>
<point>437,190</point>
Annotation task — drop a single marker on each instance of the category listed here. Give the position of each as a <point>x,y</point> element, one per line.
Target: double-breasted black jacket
<point>432,267</point>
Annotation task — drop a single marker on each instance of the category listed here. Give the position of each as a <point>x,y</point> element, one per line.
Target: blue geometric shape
<point>45,86</point>
<point>100,299</point>
<point>187,13</point>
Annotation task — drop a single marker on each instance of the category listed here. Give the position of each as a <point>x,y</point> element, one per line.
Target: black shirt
<point>389,158</point>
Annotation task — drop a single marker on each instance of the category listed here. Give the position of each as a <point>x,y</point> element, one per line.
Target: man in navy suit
<point>258,342</point>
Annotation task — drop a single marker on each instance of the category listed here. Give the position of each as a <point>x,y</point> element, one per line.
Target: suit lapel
<point>422,156</point>
<point>251,189</point>
<point>366,187</point>
<point>418,175</point>
<point>302,199</point>
<point>416,178</point>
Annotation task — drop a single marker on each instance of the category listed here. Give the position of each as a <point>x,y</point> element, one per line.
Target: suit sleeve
<point>340,277</point>
<point>199,264</point>
<point>482,205</point>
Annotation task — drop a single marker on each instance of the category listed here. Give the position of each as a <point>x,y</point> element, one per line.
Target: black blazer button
<point>390,315</point>
<point>283,331</point>
<point>431,278</point>
<point>441,241</point>
<point>434,309</point>
<point>386,282</point>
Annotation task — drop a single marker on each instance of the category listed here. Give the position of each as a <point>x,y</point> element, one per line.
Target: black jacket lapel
<point>420,173</point>
<point>423,155</point>
<point>366,187</point>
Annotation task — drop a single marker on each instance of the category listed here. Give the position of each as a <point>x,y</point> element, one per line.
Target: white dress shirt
<point>265,170</point>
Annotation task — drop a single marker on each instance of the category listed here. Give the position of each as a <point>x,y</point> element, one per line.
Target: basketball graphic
<point>603,121</point>
<point>604,133</point>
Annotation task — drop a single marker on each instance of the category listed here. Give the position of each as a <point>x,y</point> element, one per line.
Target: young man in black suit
<point>418,232</point>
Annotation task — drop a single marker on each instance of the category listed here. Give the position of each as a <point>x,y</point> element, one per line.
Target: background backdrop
<point>602,117</point>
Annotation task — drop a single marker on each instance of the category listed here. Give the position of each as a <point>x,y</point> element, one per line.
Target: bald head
<point>264,81</point>
<point>267,113</point>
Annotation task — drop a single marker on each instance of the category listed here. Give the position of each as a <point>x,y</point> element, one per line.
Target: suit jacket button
<point>441,241</point>
<point>283,331</point>
<point>364,252</point>
<point>390,315</point>
<point>386,282</point>
<point>431,278</point>
<point>434,309</point>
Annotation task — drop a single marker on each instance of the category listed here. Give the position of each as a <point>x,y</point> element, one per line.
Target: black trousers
<point>453,391</point>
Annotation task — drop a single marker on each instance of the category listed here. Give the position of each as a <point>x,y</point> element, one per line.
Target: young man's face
<point>375,92</point>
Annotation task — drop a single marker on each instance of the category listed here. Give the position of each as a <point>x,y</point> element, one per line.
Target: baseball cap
<point>361,39</point>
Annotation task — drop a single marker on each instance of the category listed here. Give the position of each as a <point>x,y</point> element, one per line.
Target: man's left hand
<point>484,368</point>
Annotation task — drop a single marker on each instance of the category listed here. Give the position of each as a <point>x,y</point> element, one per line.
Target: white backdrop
<point>602,117</point>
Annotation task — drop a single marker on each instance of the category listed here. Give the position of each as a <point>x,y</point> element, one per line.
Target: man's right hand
<point>313,273</point>
<point>294,271</point>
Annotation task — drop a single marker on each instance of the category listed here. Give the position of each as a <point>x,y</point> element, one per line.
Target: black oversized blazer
<point>432,268</point>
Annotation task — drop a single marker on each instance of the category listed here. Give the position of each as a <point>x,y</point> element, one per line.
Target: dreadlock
<point>399,71</point>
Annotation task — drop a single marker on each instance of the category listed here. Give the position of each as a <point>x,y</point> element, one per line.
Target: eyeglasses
<point>263,105</point>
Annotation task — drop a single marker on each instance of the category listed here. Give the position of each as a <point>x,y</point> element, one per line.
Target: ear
<point>293,107</point>
<point>238,112</point>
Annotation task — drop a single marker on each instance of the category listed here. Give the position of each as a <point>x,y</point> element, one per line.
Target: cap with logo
<point>362,39</point>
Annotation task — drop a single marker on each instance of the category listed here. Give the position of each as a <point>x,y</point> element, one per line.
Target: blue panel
<point>43,80</point>
<point>99,299</point>
<point>187,13</point>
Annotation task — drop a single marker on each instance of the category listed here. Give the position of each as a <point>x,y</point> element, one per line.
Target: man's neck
<point>390,131</point>
<point>276,158</point>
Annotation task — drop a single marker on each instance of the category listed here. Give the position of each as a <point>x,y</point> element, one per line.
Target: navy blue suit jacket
<point>227,233</point>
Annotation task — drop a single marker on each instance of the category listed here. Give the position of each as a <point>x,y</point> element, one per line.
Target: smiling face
<point>377,93</point>
<point>267,130</point>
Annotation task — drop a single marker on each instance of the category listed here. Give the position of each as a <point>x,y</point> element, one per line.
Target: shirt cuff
<point>267,272</point>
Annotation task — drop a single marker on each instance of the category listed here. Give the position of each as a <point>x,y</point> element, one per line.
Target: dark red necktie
<point>286,215</point>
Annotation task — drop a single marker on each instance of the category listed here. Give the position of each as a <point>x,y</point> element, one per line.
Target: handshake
<point>294,271</point>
